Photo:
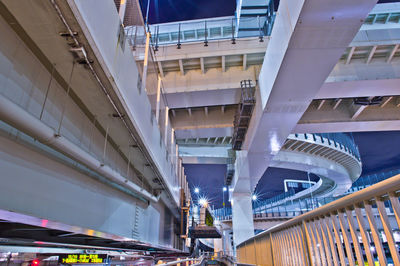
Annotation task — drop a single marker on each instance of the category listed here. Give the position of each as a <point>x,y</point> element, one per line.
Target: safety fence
<point>271,208</point>
<point>368,180</point>
<point>350,230</point>
<point>268,208</point>
<point>343,141</point>
<point>150,82</point>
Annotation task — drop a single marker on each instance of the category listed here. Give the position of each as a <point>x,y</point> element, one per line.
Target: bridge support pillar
<point>242,217</point>
<point>226,241</point>
<point>241,196</point>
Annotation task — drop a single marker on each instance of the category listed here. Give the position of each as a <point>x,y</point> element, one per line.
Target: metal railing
<point>151,83</point>
<point>344,141</point>
<point>205,30</point>
<point>342,232</point>
<point>368,180</point>
<point>291,208</point>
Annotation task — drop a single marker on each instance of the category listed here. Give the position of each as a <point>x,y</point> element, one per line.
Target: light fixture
<point>254,197</point>
<point>224,189</point>
<point>203,202</point>
<point>196,190</point>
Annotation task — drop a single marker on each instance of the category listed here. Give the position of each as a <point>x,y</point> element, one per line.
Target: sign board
<point>82,258</point>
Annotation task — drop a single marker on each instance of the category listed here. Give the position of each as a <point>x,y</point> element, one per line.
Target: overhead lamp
<point>203,202</point>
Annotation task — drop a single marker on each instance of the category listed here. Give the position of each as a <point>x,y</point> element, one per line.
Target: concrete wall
<point>35,184</point>
<point>101,27</point>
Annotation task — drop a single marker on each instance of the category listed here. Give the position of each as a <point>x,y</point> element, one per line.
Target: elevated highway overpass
<point>99,124</point>
<point>368,67</point>
<point>279,103</point>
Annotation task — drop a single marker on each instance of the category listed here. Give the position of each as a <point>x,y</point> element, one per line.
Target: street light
<point>223,196</point>
<point>196,190</point>
<point>254,197</point>
<point>203,202</point>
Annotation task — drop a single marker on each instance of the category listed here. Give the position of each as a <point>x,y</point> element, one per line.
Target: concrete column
<point>241,200</point>
<point>202,216</point>
<point>242,217</point>
<point>226,240</point>
<point>218,246</point>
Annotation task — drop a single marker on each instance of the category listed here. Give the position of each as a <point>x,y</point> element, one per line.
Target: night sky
<point>380,151</point>
<point>162,11</point>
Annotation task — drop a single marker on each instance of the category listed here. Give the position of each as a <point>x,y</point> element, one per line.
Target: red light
<point>35,262</point>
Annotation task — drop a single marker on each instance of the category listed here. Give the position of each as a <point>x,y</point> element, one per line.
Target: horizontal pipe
<point>382,188</point>
<point>17,117</point>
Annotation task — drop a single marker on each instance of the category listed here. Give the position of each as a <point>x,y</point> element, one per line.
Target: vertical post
<point>147,14</point>
<point>261,39</point>
<point>158,99</point>
<point>176,159</point>
<point>394,200</point>
<point>346,240</point>
<point>172,144</point>
<point>300,242</point>
<point>156,47</point>
<point>318,249</point>
<point>364,236</point>
<point>122,9</point>
<point>179,171</point>
<point>179,37</point>
<point>233,33</point>
<point>145,61</point>
<point>292,247</point>
<point>273,250</point>
<point>338,240</point>
<point>375,234</point>
<point>320,228</point>
<point>166,126</point>
<point>354,236</point>
<point>387,228</point>
<point>280,249</point>
<point>325,222</point>
<point>205,33</point>
<point>309,244</point>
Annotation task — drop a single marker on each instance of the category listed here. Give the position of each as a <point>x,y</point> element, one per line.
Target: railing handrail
<point>340,139</point>
<point>226,212</point>
<point>382,188</point>
<point>362,179</point>
<point>183,260</point>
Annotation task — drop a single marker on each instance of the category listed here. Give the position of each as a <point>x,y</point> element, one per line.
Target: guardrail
<point>292,208</point>
<point>205,30</point>
<point>342,141</point>
<point>187,261</point>
<point>343,231</point>
<point>368,180</point>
